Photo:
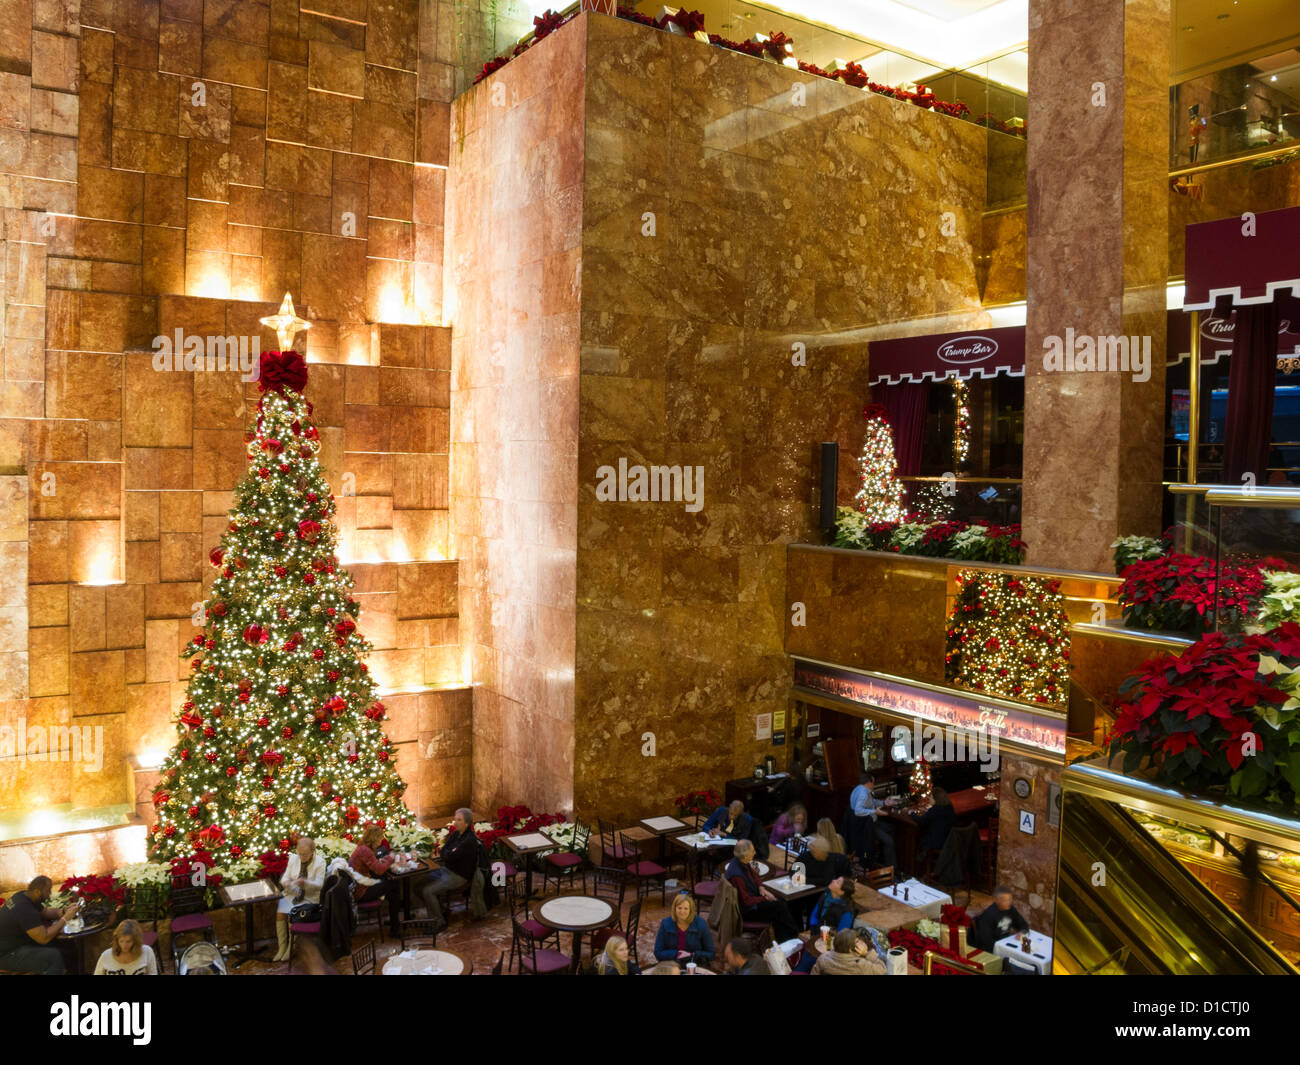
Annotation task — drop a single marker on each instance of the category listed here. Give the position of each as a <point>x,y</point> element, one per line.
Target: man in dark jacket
<point>743,959</point>
<point>998,921</point>
<point>460,867</point>
<point>730,821</point>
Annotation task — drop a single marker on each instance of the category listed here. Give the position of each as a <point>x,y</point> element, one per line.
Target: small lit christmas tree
<point>920,780</point>
<point>281,732</point>
<point>1009,636</point>
<point>881,496</point>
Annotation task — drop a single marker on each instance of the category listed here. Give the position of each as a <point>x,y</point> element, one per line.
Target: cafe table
<point>424,963</point>
<point>405,876</point>
<point>578,914</point>
<point>77,938</point>
<point>1038,957</point>
<point>663,827</point>
<point>525,845</point>
<point>930,901</point>
<point>784,888</point>
<point>696,845</point>
<point>247,896</point>
<point>882,912</point>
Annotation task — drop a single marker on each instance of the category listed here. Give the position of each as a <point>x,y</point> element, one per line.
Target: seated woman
<point>613,960</point>
<point>835,908</point>
<point>301,883</point>
<point>848,956</point>
<point>129,955</point>
<point>935,824</point>
<point>684,936</point>
<point>757,903</point>
<point>794,822</point>
<point>365,861</point>
<point>826,829</point>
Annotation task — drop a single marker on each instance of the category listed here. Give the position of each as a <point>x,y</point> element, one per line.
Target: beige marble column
<point>1097,266</point>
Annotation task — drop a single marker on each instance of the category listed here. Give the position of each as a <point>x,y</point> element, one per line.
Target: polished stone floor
<point>481,943</point>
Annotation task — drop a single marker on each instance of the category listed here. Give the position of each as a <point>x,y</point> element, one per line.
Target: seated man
<point>28,927</point>
<point>998,921</point>
<point>743,959</point>
<point>757,903</point>
<point>730,821</point>
<point>460,866</point>
<point>868,827</point>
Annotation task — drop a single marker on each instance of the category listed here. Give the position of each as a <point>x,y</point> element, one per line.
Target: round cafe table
<point>78,940</point>
<point>425,963</point>
<point>578,914</point>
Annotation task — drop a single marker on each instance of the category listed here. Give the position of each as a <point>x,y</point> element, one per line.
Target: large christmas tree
<point>281,733</point>
<point>881,496</point>
<point>1009,636</point>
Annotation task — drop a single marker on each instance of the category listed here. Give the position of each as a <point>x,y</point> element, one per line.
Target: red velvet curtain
<point>1252,377</point>
<point>907,404</point>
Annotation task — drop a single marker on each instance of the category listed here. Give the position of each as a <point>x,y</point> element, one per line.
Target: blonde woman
<point>685,936</point>
<point>300,885</point>
<point>826,829</point>
<point>129,955</point>
<point>614,961</point>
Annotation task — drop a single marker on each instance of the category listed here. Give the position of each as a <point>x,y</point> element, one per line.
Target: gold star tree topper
<point>286,323</point>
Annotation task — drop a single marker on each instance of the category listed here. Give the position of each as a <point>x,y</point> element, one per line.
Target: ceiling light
<point>1273,78</point>
<point>1188,29</point>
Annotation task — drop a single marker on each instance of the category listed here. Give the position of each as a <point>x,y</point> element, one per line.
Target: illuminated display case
<point>1251,524</point>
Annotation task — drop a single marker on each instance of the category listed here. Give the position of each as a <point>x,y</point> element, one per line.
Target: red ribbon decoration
<point>282,368</point>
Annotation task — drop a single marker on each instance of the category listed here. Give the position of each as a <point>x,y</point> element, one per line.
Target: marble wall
<point>642,232</point>
<point>732,209</point>
<point>1097,265</point>
<point>513,294</point>
<point>182,163</point>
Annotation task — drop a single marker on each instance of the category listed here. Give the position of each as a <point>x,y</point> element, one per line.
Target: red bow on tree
<point>281,368</point>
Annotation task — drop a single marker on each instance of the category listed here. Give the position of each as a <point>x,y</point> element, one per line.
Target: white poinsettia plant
<point>237,871</point>
<point>1280,602</point>
<point>139,874</point>
<point>908,535</point>
<point>1129,549</point>
<point>931,930</point>
<point>415,838</point>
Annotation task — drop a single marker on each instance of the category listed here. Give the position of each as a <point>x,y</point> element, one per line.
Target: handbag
<point>305,913</point>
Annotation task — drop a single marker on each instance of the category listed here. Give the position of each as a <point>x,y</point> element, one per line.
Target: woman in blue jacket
<point>684,936</point>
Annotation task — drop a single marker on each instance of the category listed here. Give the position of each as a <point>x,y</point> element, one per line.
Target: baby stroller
<point>201,959</point>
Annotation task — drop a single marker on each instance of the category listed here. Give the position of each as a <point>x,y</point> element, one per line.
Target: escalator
<point>1137,867</point>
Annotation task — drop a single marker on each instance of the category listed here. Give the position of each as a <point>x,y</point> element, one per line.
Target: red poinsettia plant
<point>917,946</point>
<point>954,916</point>
<point>1177,593</point>
<point>697,802</point>
<point>105,890</point>
<point>1224,715</point>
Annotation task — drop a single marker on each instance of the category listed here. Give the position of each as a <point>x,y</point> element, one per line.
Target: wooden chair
<point>535,960</point>
<point>189,907</point>
<point>612,850</point>
<point>610,884</point>
<point>633,927</point>
<point>496,969</point>
<point>419,933</point>
<point>147,907</point>
<point>643,873</point>
<point>299,928</point>
<point>363,959</point>
<point>568,863</point>
<point>881,878</point>
<point>524,928</point>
